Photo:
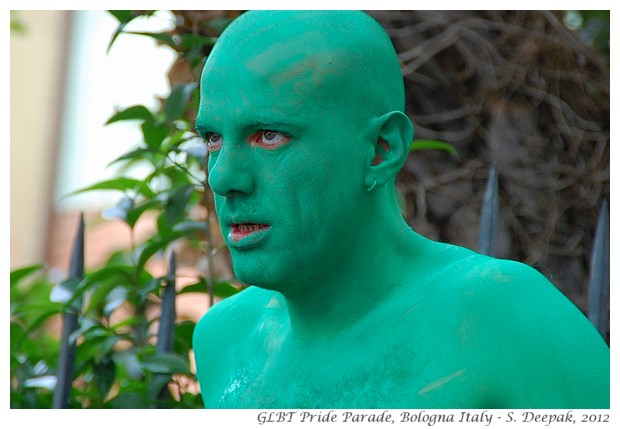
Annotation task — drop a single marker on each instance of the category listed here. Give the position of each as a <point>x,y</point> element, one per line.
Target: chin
<point>282,269</point>
<point>254,276</point>
<point>263,278</point>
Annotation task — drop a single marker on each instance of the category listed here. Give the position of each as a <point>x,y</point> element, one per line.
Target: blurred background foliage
<point>526,91</point>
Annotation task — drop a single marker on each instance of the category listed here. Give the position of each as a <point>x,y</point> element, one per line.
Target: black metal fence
<point>70,324</point>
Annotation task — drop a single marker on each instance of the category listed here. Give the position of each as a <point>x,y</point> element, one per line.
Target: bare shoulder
<point>232,316</point>
<point>517,299</point>
<point>501,288</point>
<point>539,348</point>
<point>221,334</point>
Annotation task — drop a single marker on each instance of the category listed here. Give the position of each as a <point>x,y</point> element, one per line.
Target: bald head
<point>339,60</point>
<point>303,116</point>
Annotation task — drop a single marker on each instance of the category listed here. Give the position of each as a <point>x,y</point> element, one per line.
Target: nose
<point>231,171</point>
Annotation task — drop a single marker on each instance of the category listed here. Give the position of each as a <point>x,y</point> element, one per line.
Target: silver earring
<point>372,186</point>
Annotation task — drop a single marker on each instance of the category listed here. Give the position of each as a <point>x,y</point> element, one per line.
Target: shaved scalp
<point>343,58</point>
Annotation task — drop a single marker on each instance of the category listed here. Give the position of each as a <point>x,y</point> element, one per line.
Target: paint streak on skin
<point>440,382</point>
<point>501,278</point>
<point>274,303</point>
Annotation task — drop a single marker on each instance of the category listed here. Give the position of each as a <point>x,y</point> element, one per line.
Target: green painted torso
<point>433,343</point>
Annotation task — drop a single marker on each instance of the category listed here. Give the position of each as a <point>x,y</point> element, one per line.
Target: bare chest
<point>328,380</point>
<point>371,373</point>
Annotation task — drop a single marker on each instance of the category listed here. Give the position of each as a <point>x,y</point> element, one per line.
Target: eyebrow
<point>266,123</point>
<point>201,127</point>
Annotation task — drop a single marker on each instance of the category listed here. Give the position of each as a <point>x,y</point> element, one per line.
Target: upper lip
<point>248,225</point>
<point>240,221</point>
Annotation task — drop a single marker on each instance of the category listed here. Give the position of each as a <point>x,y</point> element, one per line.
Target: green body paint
<point>303,112</point>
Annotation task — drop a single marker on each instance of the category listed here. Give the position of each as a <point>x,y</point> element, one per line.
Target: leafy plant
<point>432,145</point>
<point>33,350</point>
<point>119,358</point>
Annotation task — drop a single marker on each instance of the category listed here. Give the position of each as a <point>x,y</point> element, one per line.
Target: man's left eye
<point>269,138</point>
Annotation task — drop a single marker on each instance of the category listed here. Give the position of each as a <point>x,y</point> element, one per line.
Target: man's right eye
<point>214,142</point>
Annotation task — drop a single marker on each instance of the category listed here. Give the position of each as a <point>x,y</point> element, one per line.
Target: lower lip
<point>241,236</point>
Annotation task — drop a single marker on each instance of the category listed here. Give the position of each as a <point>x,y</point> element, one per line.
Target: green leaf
<point>123,16</point>
<point>129,400</point>
<point>183,337</point>
<point>106,279</point>
<point>154,134</point>
<point>98,345</point>
<point>128,361</point>
<point>149,248</point>
<point>119,184</point>
<point>176,103</point>
<point>98,297</point>
<point>191,41</point>
<point>134,214</point>
<point>86,326</point>
<point>432,145</point>
<point>46,382</point>
<point>133,113</point>
<point>128,322</point>
<point>42,307</point>
<point>114,299</point>
<point>225,289</point>
<point>189,226</point>
<point>154,387</point>
<point>177,176</point>
<point>17,25</point>
<point>198,287</point>
<point>161,37</point>
<point>49,311</point>
<point>222,289</point>
<point>140,154</point>
<point>149,287</point>
<point>120,210</point>
<point>105,374</point>
<point>63,292</point>
<point>17,333</point>
<point>176,205</point>
<point>166,363</point>
<point>21,273</point>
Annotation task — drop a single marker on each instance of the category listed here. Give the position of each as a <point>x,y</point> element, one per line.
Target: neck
<point>347,288</point>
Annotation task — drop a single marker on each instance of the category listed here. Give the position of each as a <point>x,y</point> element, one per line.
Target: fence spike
<point>489,218</point>
<point>66,355</point>
<point>598,294</point>
<point>165,333</point>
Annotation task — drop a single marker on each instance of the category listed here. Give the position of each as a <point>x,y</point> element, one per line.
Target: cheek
<point>294,193</point>
<point>313,183</point>
<point>320,202</point>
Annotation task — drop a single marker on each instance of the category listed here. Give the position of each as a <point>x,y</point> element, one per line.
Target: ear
<point>394,133</point>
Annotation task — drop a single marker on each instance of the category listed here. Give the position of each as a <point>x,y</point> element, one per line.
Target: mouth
<point>244,234</point>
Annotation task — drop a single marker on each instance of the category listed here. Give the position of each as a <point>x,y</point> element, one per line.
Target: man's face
<point>285,164</point>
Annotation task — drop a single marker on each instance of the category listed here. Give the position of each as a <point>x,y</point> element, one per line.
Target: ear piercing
<point>372,186</point>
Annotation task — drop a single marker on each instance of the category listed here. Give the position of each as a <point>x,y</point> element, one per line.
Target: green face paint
<point>283,202</point>
<point>303,112</point>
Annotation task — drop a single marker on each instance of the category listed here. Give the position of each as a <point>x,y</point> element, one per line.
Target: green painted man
<point>303,114</point>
